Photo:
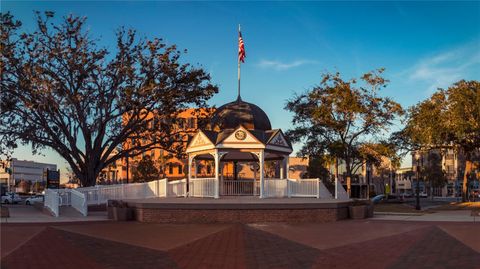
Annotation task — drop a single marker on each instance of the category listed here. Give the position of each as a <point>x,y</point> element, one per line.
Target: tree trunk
<point>468,169</point>
<point>349,177</point>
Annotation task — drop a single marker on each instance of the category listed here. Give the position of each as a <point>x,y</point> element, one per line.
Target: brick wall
<point>160,215</point>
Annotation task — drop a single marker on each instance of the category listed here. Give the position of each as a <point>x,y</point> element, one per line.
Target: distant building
<point>403,181</point>
<point>24,172</point>
<point>453,165</point>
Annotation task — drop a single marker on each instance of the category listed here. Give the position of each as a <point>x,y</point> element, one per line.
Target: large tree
<point>61,90</point>
<point>338,116</point>
<point>449,119</point>
<point>145,170</point>
<point>432,173</point>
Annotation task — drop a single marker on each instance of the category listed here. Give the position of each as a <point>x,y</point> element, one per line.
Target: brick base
<point>161,215</point>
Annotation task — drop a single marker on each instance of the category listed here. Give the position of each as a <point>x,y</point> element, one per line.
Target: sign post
<point>53,179</point>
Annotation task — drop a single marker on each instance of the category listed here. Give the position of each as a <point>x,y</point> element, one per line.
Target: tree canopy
<point>145,171</point>
<point>61,90</point>
<point>342,118</point>
<point>449,119</point>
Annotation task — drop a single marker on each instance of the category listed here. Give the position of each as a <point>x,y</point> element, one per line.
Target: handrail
<point>79,202</point>
<point>52,201</point>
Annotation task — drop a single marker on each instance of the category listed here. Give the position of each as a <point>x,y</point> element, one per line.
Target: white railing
<point>106,193</point>
<point>65,197</point>
<point>177,188</point>
<point>341,193</point>
<point>238,187</point>
<point>52,201</point>
<point>275,187</point>
<point>79,202</point>
<point>304,187</point>
<point>100,194</point>
<point>323,192</point>
<point>202,187</point>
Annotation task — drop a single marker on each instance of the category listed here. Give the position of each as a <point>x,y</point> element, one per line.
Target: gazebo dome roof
<point>238,112</point>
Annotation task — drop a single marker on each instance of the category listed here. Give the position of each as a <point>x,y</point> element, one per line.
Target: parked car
<point>423,195</point>
<point>11,198</point>
<point>377,199</point>
<point>32,199</point>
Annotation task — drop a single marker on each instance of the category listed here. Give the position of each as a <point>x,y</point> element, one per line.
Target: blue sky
<point>422,45</point>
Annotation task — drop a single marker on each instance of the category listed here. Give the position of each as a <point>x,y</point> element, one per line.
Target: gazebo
<point>240,132</point>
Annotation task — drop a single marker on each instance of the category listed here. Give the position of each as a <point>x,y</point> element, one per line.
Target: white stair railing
<point>323,192</point>
<point>341,193</point>
<point>52,201</point>
<point>79,202</point>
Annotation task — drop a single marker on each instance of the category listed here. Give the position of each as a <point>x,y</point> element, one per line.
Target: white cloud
<point>443,69</point>
<point>281,66</point>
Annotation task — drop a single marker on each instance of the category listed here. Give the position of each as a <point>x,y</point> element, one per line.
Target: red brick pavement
<point>236,246</point>
<point>48,249</point>
<point>376,253</point>
<point>225,249</point>
<point>438,250</point>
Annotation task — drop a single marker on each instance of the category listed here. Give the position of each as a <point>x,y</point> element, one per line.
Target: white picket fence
<point>305,187</point>
<point>308,187</point>
<point>238,187</point>
<point>80,198</point>
<point>275,187</point>
<point>177,188</point>
<point>202,187</point>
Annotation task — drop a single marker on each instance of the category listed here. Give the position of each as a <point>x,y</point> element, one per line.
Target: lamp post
<point>417,191</point>
<point>368,180</point>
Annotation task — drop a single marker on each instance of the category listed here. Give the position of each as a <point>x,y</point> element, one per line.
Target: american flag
<point>241,48</point>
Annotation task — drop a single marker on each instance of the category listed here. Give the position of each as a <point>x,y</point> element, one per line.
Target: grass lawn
<point>395,207</point>
<point>407,208</point>
<point>457,206</point>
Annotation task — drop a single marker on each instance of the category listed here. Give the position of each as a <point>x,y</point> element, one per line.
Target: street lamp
<point>368,180</point>
<point>417,191</point>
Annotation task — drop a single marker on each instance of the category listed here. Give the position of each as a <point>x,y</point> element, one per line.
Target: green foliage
<point>432,172</point>
<point>318,168</point>
<point>145,171</point>
<point>449,119</point>
<point>339,118</point>
<point>60,90</point>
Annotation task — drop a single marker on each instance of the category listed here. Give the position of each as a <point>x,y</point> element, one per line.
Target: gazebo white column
<point>261,161</point>
<point>189,176</point>
<point>283,165</point>
<point>195,169</point>
<point>216,156</point>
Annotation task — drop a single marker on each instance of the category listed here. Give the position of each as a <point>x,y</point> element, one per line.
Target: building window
<point>180,169</point>
<point>170,168</point>
<point>191,123</point>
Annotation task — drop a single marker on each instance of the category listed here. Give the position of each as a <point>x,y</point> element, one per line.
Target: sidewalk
<point>28,214</point>
<point>448,215</point>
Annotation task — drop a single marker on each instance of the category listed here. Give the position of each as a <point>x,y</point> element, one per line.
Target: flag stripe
<point>241,48</point>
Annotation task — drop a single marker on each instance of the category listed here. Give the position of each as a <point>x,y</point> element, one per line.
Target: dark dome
<point>231,115</point>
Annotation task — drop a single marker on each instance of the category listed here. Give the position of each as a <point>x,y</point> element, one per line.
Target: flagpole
<point>238,59</point>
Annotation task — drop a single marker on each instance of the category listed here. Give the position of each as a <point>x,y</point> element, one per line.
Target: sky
<point>422,45</point>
